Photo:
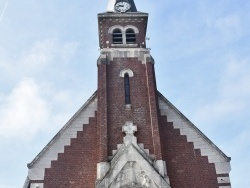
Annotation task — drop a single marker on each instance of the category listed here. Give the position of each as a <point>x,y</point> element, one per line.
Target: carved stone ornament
<point>132,175</point>
<point>132,167</point>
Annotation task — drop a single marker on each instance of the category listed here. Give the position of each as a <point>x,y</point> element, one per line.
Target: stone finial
<point>129,129</point>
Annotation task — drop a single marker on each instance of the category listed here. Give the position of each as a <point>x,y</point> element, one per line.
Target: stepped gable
<point>188,152</point>
<point>62,140</point>
<point>185,147</point>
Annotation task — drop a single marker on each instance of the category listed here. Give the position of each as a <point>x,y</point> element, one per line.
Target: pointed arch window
<point>127,88</point>
<point>130,36</point>
<point>117,36</point>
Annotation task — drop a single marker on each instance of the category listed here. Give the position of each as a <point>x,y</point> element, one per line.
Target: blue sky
<point>48,53</point>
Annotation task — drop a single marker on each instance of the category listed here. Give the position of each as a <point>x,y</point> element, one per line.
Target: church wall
<point>102,112</point>
<point>76,167</point>
<point>118,114</point>
<point>199,141</point>
<point>179,134</point>
<point>57,144</point>
<point>185,165</point>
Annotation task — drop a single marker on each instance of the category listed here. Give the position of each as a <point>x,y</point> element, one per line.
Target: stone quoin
<point>128,135</point>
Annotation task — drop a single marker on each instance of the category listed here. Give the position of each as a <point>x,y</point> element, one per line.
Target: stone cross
<point>129,128</point>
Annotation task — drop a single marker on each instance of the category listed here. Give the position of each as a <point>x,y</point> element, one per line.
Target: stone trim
<point>194,135</point>
<point>223,180</point>
<point>123,29</point>
<point>142,54</point>
<point>62,139</point>
<point>126,71</point>
<point>26,183</point>
<point>36,185</point>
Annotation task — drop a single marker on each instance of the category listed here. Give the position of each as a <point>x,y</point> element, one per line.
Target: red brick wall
<point>185,166</point>
<point>76,167</point>
<point>102,113</point>
<point>117,114</point>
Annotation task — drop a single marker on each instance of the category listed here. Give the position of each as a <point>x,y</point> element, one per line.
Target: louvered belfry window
<point>117,36</point>
<point>130,36</point>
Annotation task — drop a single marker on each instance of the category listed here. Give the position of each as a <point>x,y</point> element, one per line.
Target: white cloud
<point>48,51</point>
<point>225,28</point>
<point>233,90</point>
<point>44,55</point>
<point>24,111</point>
<point>33,106</point>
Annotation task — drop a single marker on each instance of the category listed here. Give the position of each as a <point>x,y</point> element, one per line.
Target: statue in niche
<point>145,181</point>
<point>127,176</point>
<point>132,176</point>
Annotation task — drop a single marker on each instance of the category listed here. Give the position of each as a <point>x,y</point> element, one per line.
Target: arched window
<point>117,36</point>
<point>130,36</point>
<point>127,89</point>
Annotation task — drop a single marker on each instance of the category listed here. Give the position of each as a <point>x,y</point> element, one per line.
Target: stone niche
<point>131,166</point>
<point>132,176</point>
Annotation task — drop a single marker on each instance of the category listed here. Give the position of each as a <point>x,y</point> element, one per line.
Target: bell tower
<point>126,81</point>
<point>128,135</point>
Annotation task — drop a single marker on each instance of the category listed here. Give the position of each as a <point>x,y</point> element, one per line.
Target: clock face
<point>122,6</point>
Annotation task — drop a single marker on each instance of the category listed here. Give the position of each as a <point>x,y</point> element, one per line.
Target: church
<point>127,134</point>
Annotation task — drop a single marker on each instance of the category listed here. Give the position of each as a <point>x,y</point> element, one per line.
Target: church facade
<point>128,135</point>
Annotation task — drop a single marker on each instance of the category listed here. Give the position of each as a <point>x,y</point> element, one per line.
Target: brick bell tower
<point>127,135</point>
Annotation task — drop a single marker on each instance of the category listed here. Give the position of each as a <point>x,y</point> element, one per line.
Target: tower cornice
<point>127,14</point>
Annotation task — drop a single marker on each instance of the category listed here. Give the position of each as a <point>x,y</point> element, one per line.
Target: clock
<point>122,6</point>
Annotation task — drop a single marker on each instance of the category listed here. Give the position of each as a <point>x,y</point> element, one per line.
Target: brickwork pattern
<point>102,113</point>
<point>185,165</point>
<point>76,167</point>
<point>139,113</point>
<point>199,140</point>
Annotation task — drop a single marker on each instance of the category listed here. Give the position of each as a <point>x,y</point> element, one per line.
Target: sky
<point>48,53</point>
